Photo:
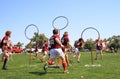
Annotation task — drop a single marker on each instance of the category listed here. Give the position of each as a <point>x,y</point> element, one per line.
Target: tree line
<point>112,42</point>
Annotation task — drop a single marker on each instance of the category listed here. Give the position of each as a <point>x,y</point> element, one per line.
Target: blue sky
<point>104,15</point>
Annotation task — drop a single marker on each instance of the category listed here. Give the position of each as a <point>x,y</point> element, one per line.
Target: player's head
<point>55,31</point>
<point>8,33</point>
<point>99,39</point>
<point>65,34</point>
<point>80,39</point>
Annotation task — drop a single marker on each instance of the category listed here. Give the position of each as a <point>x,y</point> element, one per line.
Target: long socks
<point>4,64</point>
<point>64,65</point>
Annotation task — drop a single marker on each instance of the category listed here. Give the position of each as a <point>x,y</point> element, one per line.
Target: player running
<point>56,51</point>
<point>44,50</point>
<point>66,42</point>
<point>79,44</point>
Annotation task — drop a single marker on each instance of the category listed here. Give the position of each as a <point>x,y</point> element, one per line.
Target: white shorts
<point>5,54</point>
<point>10,53</point>
<point>56,52</point>
<point>45,53</point>
<point>76,51</point>
<point>98,51</point>
<point>37,52</point>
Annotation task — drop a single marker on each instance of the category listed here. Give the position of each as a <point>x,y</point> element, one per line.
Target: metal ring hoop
<point>28,27</point>
<point>60,17</point>
<point>90,28</point>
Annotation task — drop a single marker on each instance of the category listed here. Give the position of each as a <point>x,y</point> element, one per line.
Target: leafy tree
<point>114,42</point>
<point>90,44</point>
<point>19,44</point>
<point>37,38</point>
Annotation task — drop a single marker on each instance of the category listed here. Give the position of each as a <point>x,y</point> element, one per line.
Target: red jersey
<point>4,42</point>
<point>5,39</point>
<point>65,40</point>
<point>36,48</point>
<point>79,44</point>
<point>53,43</point>
<point>99,45</point>
<point>45,46</point>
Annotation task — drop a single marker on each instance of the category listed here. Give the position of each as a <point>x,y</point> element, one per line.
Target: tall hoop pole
<point>29,38</point>
<point>98,37</point>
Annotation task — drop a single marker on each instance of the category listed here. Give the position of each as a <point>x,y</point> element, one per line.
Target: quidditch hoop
<point>98,37</point>
<point>58,18</point>
<point>31,25</point>
<point>90,28</point>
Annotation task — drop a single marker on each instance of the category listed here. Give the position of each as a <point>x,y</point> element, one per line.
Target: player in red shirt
<point>99,47</point>
<point>44,50</point>
<point>56,50</point>
<point>36,50</point>
<point>4,45</point>
<point>79,44</point>
<point>66,42</point>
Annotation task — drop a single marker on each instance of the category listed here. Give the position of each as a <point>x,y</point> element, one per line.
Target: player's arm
<point>69,44</point>
<point>59,42</point>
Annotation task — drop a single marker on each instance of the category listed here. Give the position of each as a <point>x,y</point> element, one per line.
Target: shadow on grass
<point>44,73</point>
<point>38,73</point>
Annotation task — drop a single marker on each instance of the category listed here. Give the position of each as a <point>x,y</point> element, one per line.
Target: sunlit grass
<point>20,68</point>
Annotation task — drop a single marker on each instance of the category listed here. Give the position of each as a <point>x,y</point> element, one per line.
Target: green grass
<point>20,68</point>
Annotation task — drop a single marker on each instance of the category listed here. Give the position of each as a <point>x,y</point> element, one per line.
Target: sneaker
<point>53,66</point>
<point>57,66</point>
<point>45,67</point>
<point>66,71</point>
<point>4,68</point>
<point>78,61</point>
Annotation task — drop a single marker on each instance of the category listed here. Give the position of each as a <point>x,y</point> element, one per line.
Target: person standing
<point>36,50</point>
<point>99,47</point>
<point>44,50</point>
<point>4,45</point>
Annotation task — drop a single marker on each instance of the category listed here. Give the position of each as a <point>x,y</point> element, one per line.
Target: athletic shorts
<point>56,52</point>
<point>98,51</point>
<point>76,51</point>
<point>10,53</point>
<point>45,53</point>
<point>5,54</point>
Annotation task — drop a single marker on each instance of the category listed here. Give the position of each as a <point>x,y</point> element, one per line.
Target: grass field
<point>20,68</point>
